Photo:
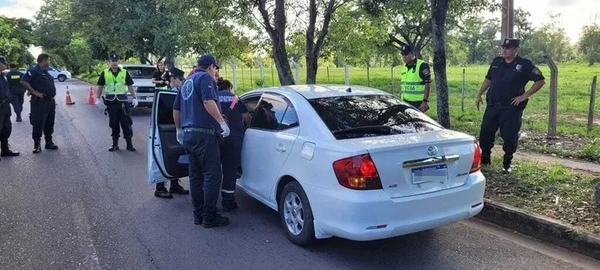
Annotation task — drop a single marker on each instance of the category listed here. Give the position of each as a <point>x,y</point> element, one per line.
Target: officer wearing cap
<point>160,80</point>
<point>236,115</point>
<point>176,79</point>
<point>16,90</point>
<point>116,81</point>
<point>415,83</point>
<point>505,100</point>
<point>198,116</point>
<point>5,113</point>
<point>40,85</point>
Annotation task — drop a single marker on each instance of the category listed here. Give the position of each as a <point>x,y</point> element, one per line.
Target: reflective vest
<point>411,83</point>
<point>115,87</point>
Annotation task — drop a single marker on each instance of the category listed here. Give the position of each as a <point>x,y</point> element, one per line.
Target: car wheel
<point>62,78</point>
<point>296,215</point>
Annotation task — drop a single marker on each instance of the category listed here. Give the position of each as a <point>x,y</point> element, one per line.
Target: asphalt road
<point>82,207</point>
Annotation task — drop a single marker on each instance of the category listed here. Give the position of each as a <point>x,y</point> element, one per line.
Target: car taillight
<point>358,172</point>
<point>476,159</point>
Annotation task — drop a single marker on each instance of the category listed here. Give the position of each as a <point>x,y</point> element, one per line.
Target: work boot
<point>216,221</point>
<point>161,191</point>
<point>130,145</point>
<point>37,147</point>
<point>198,219</point>
<point>486,158</point>
<point>6,152</point>
<point>229,206</point>
<point>506,162</point>
<point>176,188</point>
<point>115,145</point>
<point>50,145</point>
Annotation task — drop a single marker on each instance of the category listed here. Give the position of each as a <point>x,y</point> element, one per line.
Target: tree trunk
<point>439,9</point>
<point>284,70</point>
<point>313,48</point>
<point>276,32</point>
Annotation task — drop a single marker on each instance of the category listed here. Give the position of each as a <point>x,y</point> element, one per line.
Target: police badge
<point>518,67</point>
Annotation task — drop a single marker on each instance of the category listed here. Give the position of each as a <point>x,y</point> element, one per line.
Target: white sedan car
<point>346,161</point>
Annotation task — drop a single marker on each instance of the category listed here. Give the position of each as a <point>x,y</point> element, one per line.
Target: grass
<point>550,190</point>
<point>574,82</point>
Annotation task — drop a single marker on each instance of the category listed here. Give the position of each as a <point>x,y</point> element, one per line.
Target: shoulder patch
<point>536,71</point>
<point>426,72</point>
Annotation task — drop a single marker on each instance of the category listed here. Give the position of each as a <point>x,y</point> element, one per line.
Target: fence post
<point>297,71</point>
<point>346,75</point>
<point>328,81</point>
<point>233,75</point>
<point>261,67</point>
<point>553,96</point>
<point>392,71</point>
<point>368,75</point>
<point>462,95</point>
<point>590,123</point>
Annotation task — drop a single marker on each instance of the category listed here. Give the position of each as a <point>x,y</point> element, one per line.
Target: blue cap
<point>175,72</point>
<point>207,60</point>
<point>113,56</point>
<point>511,43</point>
<point>3,60</point>
<point>405,50</point>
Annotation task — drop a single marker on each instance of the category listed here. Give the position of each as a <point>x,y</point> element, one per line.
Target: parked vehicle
<point>58,74</point>
<point>142,82</point>
<point>346,161</point>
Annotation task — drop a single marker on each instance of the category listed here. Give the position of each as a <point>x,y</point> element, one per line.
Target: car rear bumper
<point>372,215</point>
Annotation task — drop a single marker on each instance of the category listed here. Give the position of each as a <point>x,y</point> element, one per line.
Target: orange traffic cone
<point>69,100</point>
<point>91,100</point>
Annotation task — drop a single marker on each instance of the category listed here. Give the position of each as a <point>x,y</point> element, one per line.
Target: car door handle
<point>280,148</point>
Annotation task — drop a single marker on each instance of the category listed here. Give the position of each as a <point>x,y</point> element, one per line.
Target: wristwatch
<point>425,100</point>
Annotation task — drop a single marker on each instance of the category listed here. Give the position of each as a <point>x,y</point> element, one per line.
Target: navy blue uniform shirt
<point>234,116</point>
<point>509,79</point>
<point>190,99</point>
<point>41,81</point>
<point>14,81</point>
<point>4,90</point>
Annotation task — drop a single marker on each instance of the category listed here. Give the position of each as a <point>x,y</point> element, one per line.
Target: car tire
<point>62,78</point>
<point>296,215</point>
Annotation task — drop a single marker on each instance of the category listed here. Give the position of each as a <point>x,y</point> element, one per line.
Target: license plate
<point>437,173</point>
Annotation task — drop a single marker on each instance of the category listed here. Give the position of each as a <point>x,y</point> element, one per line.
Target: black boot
<point>37,147</point>
<point>228,202</point>
<point>6,152</point>
<point>506,162</point>
<point>50,145</point>
<point>130,145</point>
<point>486,157</point>
<point>161,191</point>
<point>115,145</point>
<point>176,188</point>
<point>216,221</point>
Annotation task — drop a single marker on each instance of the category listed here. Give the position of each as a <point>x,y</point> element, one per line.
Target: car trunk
<point>419,163</point>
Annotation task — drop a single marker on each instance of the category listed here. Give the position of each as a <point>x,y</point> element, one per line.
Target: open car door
<point>167,158</point>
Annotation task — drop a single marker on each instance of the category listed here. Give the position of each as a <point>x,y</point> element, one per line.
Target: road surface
<point>82,207</point>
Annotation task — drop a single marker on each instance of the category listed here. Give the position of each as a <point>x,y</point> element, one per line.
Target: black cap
<point>175,72</point>
<point>511,43</point>
<point>405,50</point>
<point>207,60</point>
<point>3,60</point>
<point>113,56</point>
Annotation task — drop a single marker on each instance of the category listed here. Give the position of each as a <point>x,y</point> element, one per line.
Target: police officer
<point>176,79</point>
<point>40,85</point>
<point>16,90</point>
<point>5,124</point>
<point>116,81</point>
<point>200,128</point>
<point>158,79</point>
<point>505,101</point>
<point>415,83</point>
<point>236,114</point>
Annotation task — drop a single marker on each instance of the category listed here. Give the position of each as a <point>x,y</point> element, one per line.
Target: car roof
<point>137,65</point>
<point>313,91</point>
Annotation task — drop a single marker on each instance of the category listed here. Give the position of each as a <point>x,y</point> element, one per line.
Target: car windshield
<point>141,72</point>
<point>350,117</point>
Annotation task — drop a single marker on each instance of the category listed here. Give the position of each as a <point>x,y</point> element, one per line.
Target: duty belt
<point>199,129</point>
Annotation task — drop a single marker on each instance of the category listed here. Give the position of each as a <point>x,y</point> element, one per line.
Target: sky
<point>574,13</point>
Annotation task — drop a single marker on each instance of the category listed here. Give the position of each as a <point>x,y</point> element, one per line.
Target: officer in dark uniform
<point>506,99</point>
<point>5,124</point>
<point>116,82</point>
<point>197,115</point>
<point>236,114</point>
<point>40,85</point>
<point>16,90</point>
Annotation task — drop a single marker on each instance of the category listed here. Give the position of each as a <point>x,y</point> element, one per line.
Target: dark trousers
<point>17,101</point>
<point>508,119</point>
<point>5,124</point>
<point>415,104</point>
<point>205,172</point>
<point>43,113</point>
<point>119,118</point>
<point>231,159</point>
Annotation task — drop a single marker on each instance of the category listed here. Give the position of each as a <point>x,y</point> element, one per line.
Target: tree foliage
<point>15,40</point>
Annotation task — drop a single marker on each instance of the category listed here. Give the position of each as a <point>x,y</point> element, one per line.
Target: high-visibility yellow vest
<point>115,85</point>
<point>411,83</point>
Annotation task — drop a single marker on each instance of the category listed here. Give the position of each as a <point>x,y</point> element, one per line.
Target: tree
<point>439,10</point>
<point>16,39</point>
<point>589,43</point>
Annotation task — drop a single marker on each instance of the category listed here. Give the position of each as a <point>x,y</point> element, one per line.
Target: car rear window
<point>141,72</point>
<point>350,117</point>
